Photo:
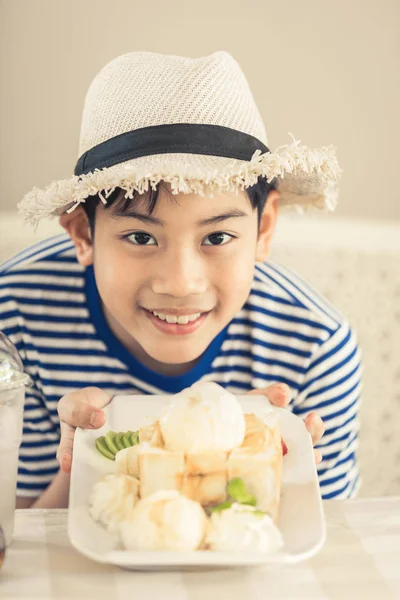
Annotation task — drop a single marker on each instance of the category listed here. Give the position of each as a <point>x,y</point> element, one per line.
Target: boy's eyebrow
<point>139,216</point>
<point>222,217</point>
<point>154,221</point>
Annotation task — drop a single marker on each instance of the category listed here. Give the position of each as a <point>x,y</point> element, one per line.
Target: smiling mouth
<point>177,322</point>
<point>183,319</point>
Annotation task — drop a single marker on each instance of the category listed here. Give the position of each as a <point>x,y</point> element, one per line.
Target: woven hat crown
<point>143,89</point>
<point>191,123</point>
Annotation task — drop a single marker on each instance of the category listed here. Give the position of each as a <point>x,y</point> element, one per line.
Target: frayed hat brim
<point>307,177</point>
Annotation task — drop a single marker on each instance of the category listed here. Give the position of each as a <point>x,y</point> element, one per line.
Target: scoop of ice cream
<point>203,417</point>
<point>243,527</point>
<point>166,520</point>
<point>113,498</point>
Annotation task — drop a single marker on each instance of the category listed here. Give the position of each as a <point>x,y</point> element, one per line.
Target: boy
<point>156,286</point>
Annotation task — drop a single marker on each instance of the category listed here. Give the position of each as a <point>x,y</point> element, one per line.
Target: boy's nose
<point>180,275</point>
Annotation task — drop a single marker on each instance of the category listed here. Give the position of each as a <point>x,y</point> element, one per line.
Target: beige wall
<point>327,71</point>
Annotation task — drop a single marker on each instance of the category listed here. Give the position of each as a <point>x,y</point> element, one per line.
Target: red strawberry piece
<point>284,447</point>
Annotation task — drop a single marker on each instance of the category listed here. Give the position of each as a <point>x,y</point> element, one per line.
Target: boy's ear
<point>267,226</point>
<point>76,225</point>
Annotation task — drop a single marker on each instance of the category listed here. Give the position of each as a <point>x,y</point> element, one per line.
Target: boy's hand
<point>279,395</point>
<point>81,408</point>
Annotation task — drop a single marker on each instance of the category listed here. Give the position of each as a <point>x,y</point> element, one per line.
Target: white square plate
<point>301,520</point>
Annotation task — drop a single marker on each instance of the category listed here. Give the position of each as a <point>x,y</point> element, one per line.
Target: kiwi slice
<point>134,438</point>
<point>103,448</point>
<point>118,440</point>
<point>221,507</point>
<point>113,442</point>
<point>126,442</point>
<point>249,499</point>
<point>109,439</point>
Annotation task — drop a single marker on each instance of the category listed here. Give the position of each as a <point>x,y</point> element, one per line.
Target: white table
<point>361,559</point>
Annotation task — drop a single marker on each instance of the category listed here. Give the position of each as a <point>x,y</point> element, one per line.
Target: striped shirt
<point>286,332</point>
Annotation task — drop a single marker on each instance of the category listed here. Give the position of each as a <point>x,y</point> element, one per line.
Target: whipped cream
<point>201,418</point>
<point>113,498</point>
<point>165,520</point>
<point>241,528</point>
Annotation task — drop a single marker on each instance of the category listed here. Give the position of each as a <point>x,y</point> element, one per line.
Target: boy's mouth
<point>177,322</point>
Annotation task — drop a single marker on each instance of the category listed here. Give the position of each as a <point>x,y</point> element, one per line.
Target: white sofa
<point>356,265</point>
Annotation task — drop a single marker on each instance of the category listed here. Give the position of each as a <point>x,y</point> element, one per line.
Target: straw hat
<point>192,123</point>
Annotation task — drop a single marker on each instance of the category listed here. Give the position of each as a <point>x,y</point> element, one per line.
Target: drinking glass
<point>12,394</point>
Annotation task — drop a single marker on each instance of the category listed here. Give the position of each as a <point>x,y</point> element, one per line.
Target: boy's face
<point>170,281</point>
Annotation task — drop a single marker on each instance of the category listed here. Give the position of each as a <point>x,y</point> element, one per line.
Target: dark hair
<point>257,193</point>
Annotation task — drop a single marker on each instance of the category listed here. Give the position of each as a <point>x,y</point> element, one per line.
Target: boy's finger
<point>64,450</point>
<point>66,462</point>
<point>318,456</point>
<point>315,427</point>
<point>277,393</point>
<point>79,414</point>
<point>83,408</point>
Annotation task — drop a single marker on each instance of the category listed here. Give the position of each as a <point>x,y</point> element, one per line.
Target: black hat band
<point>185,138</point>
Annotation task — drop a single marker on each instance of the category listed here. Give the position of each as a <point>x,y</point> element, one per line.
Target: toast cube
<point>152,435</point>
<point>258,462</point>
<point>127,461</point>
<point>205,463</point>
<point>205,477</point>
<point>258,435</point>
<point>160,469</point>
<point>271,420</point>
<point>262,476</point>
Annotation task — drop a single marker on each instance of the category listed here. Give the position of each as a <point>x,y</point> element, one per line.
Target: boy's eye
<point>140,238</point>
<point>218,239</point>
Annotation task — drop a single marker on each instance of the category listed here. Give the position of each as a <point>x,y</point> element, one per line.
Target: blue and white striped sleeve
<point>332,388</point>
<point>37,464</point>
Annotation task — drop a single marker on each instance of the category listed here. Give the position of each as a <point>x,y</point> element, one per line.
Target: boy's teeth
<point>194,317</point>
<point>181,320</point>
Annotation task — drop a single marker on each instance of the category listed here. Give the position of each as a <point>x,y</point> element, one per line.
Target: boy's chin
<point>175,358</point>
